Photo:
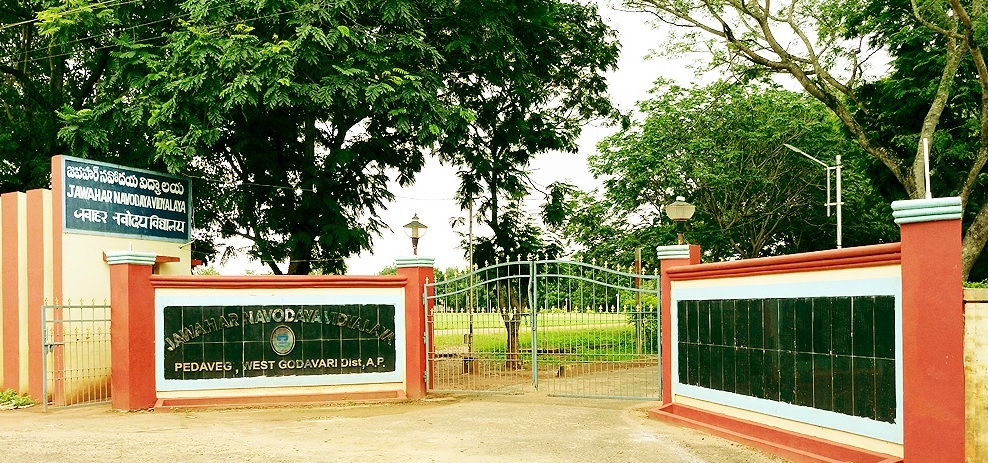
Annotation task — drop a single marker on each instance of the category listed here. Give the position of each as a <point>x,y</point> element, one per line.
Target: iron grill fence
<point>564,327</point>
<point>76,349</point>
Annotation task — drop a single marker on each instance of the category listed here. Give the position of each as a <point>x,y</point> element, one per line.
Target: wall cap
<point>130,257</point>
<point>675,251</point>
<point>277,281</point>
<point>875,255</point>
<point>926,210</point>
<point>416,261</point>
<point>975,295</point>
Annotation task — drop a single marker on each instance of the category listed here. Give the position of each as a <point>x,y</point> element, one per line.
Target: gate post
<point>418,271</point>
<point>932,329</point>
<point>669,257</point>
<point>132,377</point>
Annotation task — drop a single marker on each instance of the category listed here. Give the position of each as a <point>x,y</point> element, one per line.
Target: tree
<point>827,48</point>
<point>56,59</point>
<point>530,78</point>
<point>722,147</point>
<point>294,113</point>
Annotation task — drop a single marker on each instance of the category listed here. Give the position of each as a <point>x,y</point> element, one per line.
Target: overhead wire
<point>110,34</point>
<point>106,4</point>
<point>148,39</point>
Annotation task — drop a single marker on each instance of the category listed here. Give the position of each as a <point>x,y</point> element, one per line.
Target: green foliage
<point>205,270</point>
<point>296,114</point>
<point>722,147</point>
<point>528,83</point>
<point>932,87</point>
<point>291,116</point>
<point>11,399</point>
<point>389,270</point>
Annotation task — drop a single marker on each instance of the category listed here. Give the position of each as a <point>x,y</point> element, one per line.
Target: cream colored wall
<point>887,271</point>
<point>1,312</point>
<point>976,374</point>
<point>87,277</point>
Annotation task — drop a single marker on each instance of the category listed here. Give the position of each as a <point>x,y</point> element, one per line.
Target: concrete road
<point>490,428</point>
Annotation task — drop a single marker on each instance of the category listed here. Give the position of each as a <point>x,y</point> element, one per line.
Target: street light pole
<point>837,169</point>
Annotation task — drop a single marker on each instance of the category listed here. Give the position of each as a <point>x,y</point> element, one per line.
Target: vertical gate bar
<point>534,290</point>
<point>425,336</point>
<point>658,326</point>
<point>44,359</point>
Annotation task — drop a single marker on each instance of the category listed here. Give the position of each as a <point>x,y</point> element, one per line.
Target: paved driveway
<point>523,428</point>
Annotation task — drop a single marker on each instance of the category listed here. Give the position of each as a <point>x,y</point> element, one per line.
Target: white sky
<point>431,197</point>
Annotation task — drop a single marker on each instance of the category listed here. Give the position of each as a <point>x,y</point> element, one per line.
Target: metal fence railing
<point>76,349</point>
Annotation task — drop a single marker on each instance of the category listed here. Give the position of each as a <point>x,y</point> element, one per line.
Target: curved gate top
<point>564,327</point>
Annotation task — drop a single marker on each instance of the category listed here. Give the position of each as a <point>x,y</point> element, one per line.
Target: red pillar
<point>38,264</point>
<point>418,270</point>
<point>669,257</point>
<point>132,384</point>
<point>932,329</point>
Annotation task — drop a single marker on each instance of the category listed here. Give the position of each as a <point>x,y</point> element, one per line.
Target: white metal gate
<point>567,328</point>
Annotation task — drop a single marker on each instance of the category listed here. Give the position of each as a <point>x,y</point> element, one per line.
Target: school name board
<point>114,200</point>
<point>211,342</point>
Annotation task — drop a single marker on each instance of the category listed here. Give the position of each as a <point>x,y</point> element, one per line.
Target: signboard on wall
<point>231,342</point>
<point>108,199</point>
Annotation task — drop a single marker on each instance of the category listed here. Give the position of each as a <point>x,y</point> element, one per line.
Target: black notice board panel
<point>830,353</point>
<point>209,342</point>
<point>114,200</point>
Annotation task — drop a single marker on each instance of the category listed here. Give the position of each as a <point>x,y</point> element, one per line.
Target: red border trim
<point>277,400</point>
<point>277,281</point>
<point>863,256</point>
<point>786,444</point>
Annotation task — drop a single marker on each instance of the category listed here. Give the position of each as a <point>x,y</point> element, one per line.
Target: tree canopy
<point>292,115</point>
<point>938,84</point>
<point>530,79</point>
<point>722,146</point>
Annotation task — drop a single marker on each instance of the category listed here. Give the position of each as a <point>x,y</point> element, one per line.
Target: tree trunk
<point>975,238</point>
<point>513,351</point>
<point>511,308</point>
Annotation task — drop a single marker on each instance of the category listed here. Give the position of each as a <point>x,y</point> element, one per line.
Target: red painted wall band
<point>835,264</point>
<point>665,317</point>
<point>933,351</point>
<point>36,264</point>
<point>863,256</point>
<point>277,281</point>
<point>132,378</point>
<point>415,325</point>
<point>57,192</point>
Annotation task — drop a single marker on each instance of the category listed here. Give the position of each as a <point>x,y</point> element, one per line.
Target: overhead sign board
<point>101,198</point>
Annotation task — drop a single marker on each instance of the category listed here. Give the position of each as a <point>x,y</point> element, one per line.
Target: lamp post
<point>415,230</point>
<point>680,211</point>
<point>837,169</point>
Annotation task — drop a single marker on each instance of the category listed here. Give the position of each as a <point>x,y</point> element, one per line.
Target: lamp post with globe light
<point>680,211</point>
<point>415,230</point>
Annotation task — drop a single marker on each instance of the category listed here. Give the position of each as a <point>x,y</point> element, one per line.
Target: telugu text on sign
<point>116,200</point>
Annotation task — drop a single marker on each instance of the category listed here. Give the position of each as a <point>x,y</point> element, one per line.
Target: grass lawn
<point>451,321</point>
<point>608,337</point>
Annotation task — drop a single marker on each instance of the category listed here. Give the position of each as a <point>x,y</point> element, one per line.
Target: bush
<point>10,399</point>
